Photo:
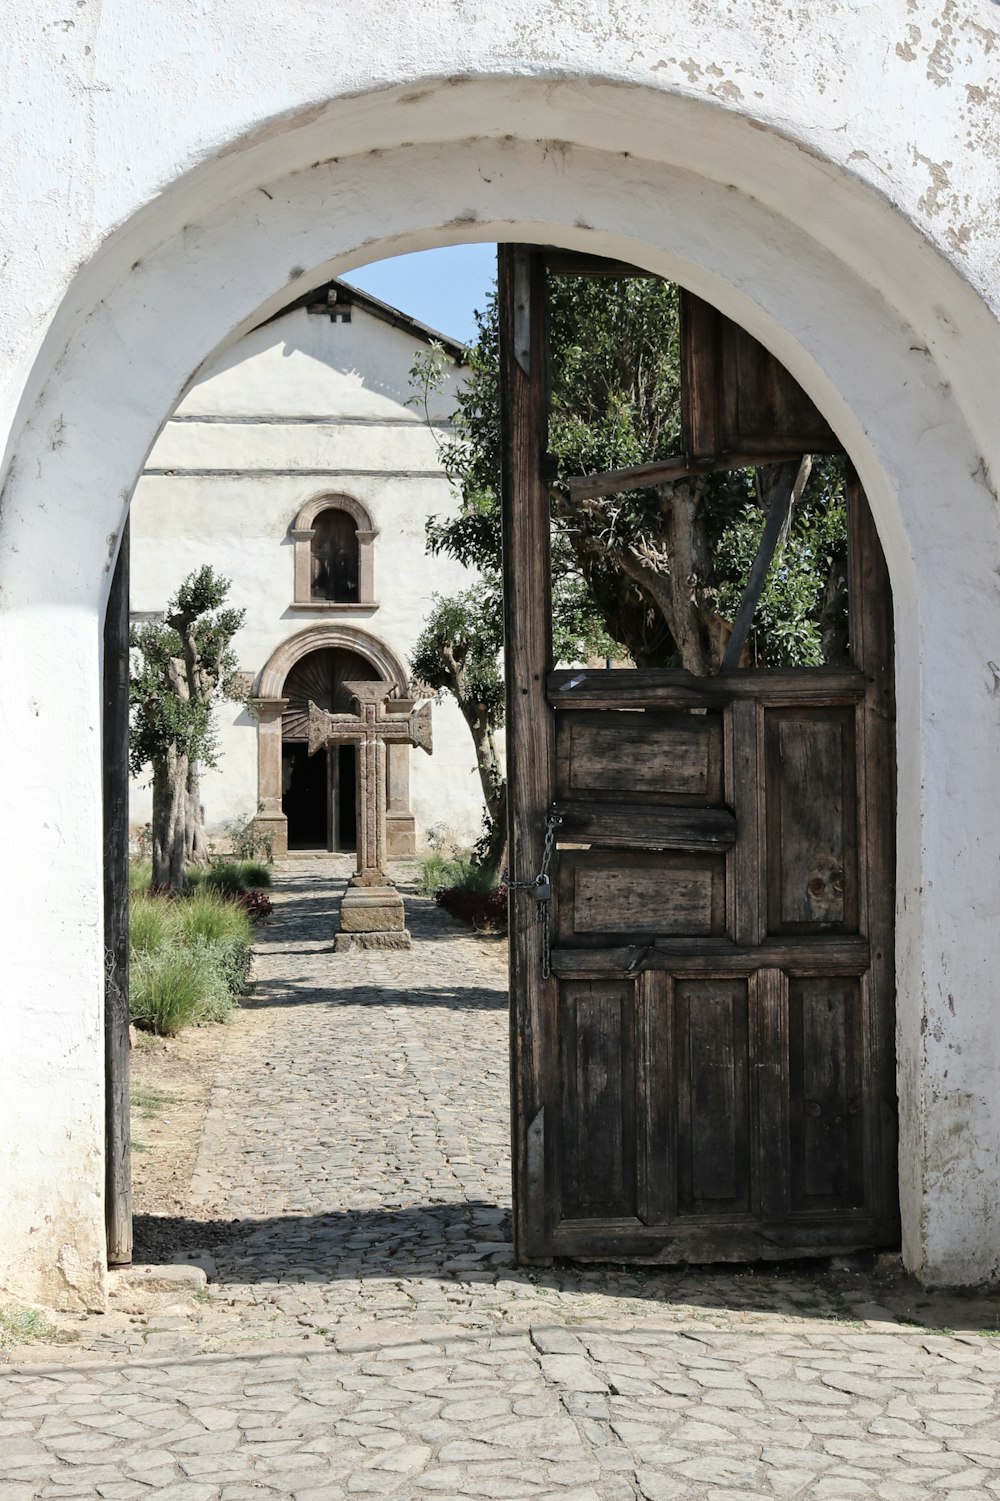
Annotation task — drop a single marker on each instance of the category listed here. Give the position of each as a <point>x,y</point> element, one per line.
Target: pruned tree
<point>459,652</point>
<point>180,668</point>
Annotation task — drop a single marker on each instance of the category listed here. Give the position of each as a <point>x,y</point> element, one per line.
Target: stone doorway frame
<point>269,705</point>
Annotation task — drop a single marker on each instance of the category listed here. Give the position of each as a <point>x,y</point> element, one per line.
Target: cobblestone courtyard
<point>364,1331</point>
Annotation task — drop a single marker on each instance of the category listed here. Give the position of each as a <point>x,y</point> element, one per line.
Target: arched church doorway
<point>308,803</point>
<point>318,792</point>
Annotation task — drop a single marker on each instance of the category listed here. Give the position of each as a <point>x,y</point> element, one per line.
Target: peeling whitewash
<point>306,406</point>
<point>828,175</point>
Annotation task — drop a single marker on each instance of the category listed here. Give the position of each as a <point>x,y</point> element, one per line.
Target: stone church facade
<point>298,468</point>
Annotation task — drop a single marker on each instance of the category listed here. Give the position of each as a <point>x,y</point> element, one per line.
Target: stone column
<point>366,566</point>
<point>400,825</point>
<point>270,819</point>
<point>302,585</point>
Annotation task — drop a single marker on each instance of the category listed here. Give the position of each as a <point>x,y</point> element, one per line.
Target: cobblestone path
<point>364,1331</point>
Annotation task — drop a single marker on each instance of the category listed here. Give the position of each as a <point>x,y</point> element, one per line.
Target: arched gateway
<point>799,194</point>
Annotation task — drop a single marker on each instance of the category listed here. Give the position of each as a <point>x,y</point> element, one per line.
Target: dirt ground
<point>172,1081</point>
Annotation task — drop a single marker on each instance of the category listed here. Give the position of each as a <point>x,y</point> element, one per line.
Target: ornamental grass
<point>191,956</point>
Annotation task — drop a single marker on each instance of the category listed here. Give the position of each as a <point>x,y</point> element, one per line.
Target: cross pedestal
<point>371,909</point>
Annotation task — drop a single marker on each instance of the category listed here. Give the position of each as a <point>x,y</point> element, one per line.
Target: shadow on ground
<point>469,1243</point>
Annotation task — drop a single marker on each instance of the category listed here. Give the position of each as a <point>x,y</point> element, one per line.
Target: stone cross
<point>370,730</point>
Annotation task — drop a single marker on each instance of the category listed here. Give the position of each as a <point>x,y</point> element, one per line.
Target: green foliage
<point>787,625</point>
<point>147,1100</point>
<point>203,916</point>
<point>168,988</point>
<point>465,630</point>
<point>225,876</point>
<point>191,958</point>
<point>248,842</point>
<point>229,876</point>
<point>140,875</point>
<point>179,668</point>
<point>152,923</point>
<point>459,871</point>
<point>21,1324</point>
<point>615,402</point>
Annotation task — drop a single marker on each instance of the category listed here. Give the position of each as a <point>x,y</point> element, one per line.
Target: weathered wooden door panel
<point>811,826</point>
<point>673,757</point>
<point>702,1030</point>
<point>597,1130</point>
<point>826,1094</point>
<point>606,896</point>
<point>711,1089</point>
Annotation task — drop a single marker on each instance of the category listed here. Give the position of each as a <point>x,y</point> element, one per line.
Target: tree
<point>458,652</point>
<point>180,668</point>
<point>655,575</point>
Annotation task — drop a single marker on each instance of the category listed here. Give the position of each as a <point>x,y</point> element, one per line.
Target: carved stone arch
<point>303,533</point>
<point>270,705</point>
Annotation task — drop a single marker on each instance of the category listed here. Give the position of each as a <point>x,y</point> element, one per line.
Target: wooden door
<point>707,1071</point>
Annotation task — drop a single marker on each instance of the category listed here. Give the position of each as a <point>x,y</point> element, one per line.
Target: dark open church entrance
<point>319,797</point>
<point>319,793</point>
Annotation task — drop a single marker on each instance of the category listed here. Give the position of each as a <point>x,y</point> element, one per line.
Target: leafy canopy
<point>615,373</point>
<point>179,669</point>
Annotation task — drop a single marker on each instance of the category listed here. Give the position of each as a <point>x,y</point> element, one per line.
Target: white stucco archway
<point>877,324</point>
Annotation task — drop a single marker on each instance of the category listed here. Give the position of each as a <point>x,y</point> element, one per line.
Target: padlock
<point>542,889</point>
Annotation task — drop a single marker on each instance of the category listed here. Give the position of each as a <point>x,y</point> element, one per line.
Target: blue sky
<point>440,287</point>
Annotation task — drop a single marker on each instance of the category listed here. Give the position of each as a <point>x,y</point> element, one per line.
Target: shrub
<point>485,910</point>
<point>227,968</point>
<point>140,875</point>
<point>225,876</point>
<point>255,874</point>
<point>438,872</point>
<point>208,915</point>
<point>191,957</point>
<point>248,842</point>
<point>169,988</point>
<point>256,905</point>
<point>152,922</point>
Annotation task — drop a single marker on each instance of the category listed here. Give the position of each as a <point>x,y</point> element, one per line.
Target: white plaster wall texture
<point>828,176</point>
<point>303,407</point>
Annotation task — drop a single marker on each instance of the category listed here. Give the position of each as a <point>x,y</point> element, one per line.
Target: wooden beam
<point>638,476</point>
<point>777,515</point>
<point>578,263</point>
<point>571,688</point>
<point>530,730</point>
<point>118,1133</point>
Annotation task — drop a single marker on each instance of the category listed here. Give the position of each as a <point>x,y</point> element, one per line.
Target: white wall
<point>829,176</point>
<point>302,407</point>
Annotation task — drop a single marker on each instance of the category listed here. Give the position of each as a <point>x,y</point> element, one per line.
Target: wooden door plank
<point>528,656</point>
<point>838,955</point>
<point>118,1132</point>
<point>769,1071</point>
<point>872,650</point>
<point>639,826</point>
<point>745,917</point>
<point>571,688</point>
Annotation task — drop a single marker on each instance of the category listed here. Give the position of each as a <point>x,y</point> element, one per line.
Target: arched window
<point>334,548</point>
<point>334,555</point>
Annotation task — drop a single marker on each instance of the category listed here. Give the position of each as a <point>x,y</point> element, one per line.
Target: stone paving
<point>364,1331</point>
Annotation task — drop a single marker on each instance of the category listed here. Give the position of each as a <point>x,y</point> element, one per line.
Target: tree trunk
<point>170,821</point>
<point>495,856</point>
<point>195,843</point>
